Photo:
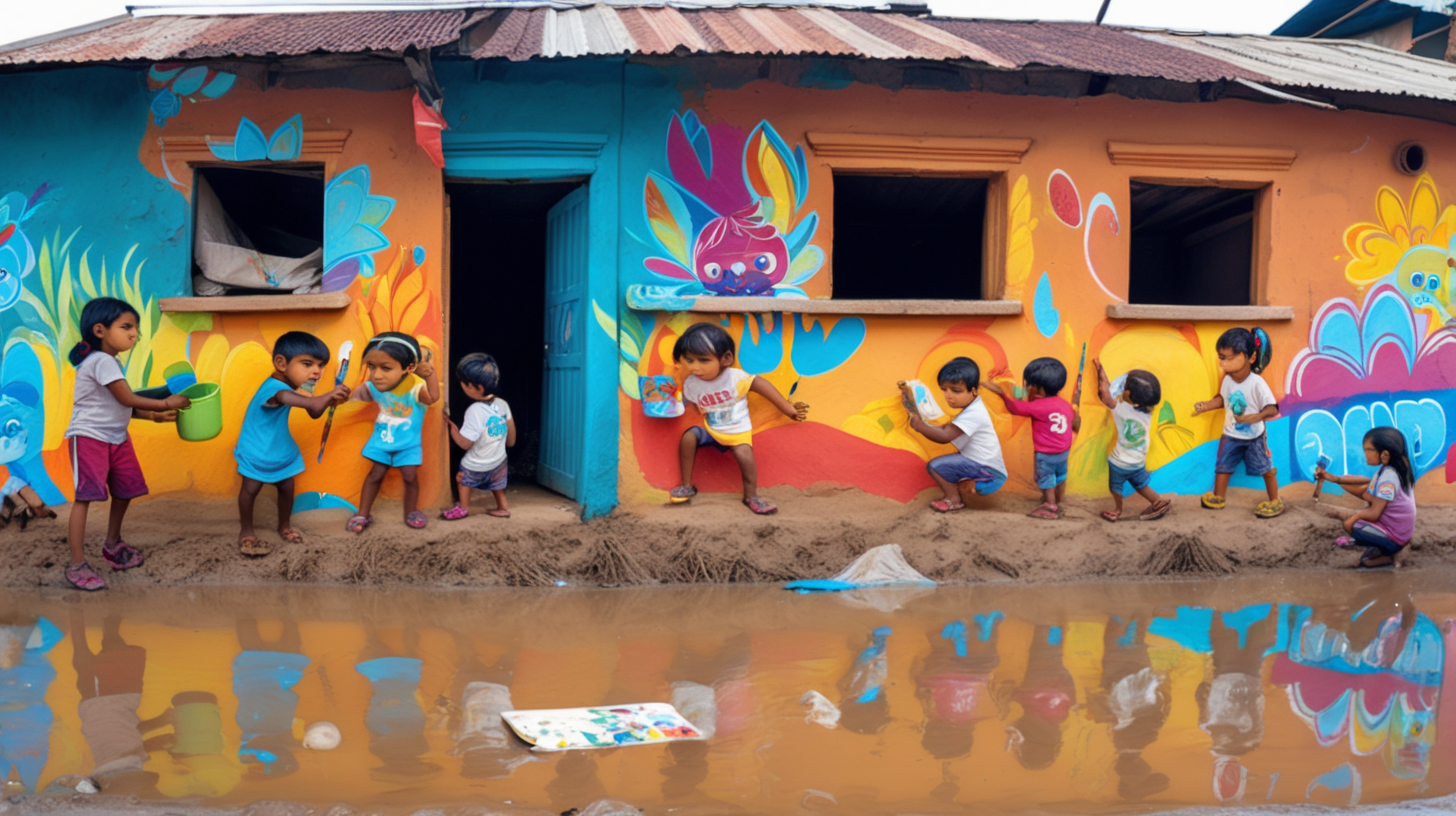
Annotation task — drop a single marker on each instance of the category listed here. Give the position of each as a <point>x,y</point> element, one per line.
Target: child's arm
<point>1270,411</point>
<point>426,370</point>
<point>993,388</point>
<point>798,411</point>
<point>460,439</point>
<point>315,405</point>
<point>1104,391</point>
<point>935,433</point>
<point>162,410</point>
<point>1357,486</point>
<point>511,432</point>
<point>1208,405</point>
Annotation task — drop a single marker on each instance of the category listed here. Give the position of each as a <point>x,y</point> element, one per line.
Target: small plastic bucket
<point>202,420</point>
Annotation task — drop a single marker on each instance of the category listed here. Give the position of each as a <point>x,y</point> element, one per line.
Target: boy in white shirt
<point>720,392</point>
<point>489,429</point>
<point>1132,420</point>
<point>978,451</point>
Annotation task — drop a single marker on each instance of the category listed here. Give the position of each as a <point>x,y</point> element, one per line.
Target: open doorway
<point>498,257</point>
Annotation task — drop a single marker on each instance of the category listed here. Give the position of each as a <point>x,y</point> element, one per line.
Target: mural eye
<point>1433,283</point>
<point>1417,280</point>
<point>765,263</point>
<point>712,272</point>
<point>12,427</point>
<point>4,274</point>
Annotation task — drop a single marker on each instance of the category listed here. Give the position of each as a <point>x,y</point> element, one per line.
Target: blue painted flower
<point>165,105</point>
<point>17,257</point>
<point>353,220</point>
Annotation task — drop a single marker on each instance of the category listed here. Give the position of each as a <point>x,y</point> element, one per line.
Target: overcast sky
<point>24,20</point>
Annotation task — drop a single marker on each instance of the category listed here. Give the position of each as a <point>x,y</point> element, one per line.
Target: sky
<point>33,19</point>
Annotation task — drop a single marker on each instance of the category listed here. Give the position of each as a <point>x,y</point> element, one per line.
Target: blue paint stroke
<point>1048,319</point>
<point>1345,777</point>
<point>1242,619</point>
<point>1054,636</point>
<point>816,353</point>
<point>320,501</point>
<point>986,625</point>
<point>1188,628</point>
<point>764,354</point>
<point>1130,636</point>
<point>1192,472</point>
<point>871,668</point>
<point>22,422</point>
<point>955,631</point>
<point>25,718</point>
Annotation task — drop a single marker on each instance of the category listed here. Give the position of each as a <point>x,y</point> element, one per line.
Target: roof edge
<point>84,28</point>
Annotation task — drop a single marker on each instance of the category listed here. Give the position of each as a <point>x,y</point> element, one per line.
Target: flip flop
<point>415,520</point>
<point>943,506</point>
<point>1111,515</point>
<point>455,513</point>
<point>1212,501</point>
<point>498,513</point>
<point>1045,511</point>
<point>682,493</point>
<point>761,506</point>
<point>1270,509</point>
<point>84,578</point>
<point>252,548</point>
<point>121,556</point>
<point>1157,511</point>
<point>291,535</point>
<point>358,524</point>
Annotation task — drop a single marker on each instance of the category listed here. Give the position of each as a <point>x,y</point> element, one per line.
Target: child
<point>1132,423</point>
<point>266,452</point>
<point>1054,423</point>
<point>1388,521</point>
<point>978,456</point>
<point>1242,354</point>
<point>403,385</point>
<point>102,456</point>
<point>720,393</point>
<point>489,430</point>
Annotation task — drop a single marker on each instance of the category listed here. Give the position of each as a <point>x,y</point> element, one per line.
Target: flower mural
<point>1410,248</point>
<point>17,256</point>
<point>286,143</point>
<point>728,228</point>
<point>177,81</point>
<point>353,224</point>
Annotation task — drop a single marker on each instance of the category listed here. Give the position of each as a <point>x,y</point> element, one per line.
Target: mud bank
<point>716,540</point>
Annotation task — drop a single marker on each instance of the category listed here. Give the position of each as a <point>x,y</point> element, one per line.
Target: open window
<point>258,230</point>
<point>1192,246</point>
<point>908,237</point>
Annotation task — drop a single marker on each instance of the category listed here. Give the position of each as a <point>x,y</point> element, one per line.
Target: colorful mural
<point>177,81</point>
<point>248,144</point>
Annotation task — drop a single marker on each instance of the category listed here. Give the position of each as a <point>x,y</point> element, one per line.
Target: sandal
<point>415,520</point>
<point>498,513</point>
<point>760,505</point>
<point>682,493</point>
<point>84,578</point>
<point>1379,562</point>
<point>121,555</point>
<point>1045,511</point>
<point>291,535</point>
<point>252,548</point>
<point>1111,515</point>
<point>1270,509</point>
<point>358,524</point>
<point>1346,542</point>
<point>946,506</point>
<point>455,513</point>
<point>1156,511</point>
<point>1212,501</point>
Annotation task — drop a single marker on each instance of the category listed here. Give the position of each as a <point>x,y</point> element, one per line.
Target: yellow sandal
<point>1214,502</point>
<point>1269,509</point>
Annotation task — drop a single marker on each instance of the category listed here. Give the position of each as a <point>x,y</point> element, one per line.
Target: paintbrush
<point>1077,392</point>
<point>344,351</point>
<point>1319,484</point>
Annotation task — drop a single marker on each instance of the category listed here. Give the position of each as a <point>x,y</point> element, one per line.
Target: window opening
<point>908,237</point>
<point>1191,246</point>
<point>258,230</point>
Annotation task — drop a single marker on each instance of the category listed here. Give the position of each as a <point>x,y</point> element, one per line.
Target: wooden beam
<point>326,301</point>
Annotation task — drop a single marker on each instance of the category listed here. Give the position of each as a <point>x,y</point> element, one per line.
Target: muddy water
<point>1321,688</point>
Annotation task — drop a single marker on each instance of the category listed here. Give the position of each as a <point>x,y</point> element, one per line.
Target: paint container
<point>202,420</point>
<point>924,400</point>
<point>661,397</point>
<point>179,377</point>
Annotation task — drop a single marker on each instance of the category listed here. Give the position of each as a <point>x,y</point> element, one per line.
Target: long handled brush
<point>344,351</point>
<point>1077,392</point>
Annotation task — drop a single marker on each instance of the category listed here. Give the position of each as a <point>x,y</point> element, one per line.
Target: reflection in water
<point>1000,699</point>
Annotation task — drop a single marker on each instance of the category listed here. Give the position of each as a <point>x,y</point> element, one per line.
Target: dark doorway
<point>498,298</point>
<point>1191,246</point>
<point>908,237</point>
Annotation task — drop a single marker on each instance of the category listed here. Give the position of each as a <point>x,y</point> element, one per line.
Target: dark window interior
<point>281,210</point>
<point>908,237</point>
<point>498,300</point>
<point>1191,246</point>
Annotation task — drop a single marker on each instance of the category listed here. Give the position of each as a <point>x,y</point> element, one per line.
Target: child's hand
<point>801,411</point>
<point>164,416</point>
<point>1319,474</point>
<point>453,426</point>
<point>425,369</point>
<point>340,394</point>
<point>176,401</point>
<point>1199,407</point>
<point>1250,419</point>
<point>1350,524</point>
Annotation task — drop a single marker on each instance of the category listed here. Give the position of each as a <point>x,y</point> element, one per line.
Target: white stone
<point>322,736</point>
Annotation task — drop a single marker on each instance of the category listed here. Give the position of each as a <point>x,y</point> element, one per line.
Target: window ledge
<point>258,303</point>
<point>1234,314</point>
<point>758,305</point>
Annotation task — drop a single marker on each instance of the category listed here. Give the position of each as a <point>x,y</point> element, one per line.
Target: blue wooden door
<point>563,425</point>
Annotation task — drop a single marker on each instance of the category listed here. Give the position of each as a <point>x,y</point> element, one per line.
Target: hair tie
<point>85,346</point>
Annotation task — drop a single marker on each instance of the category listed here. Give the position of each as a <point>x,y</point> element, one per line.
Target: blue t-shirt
<point>400,424</point>
<point>266,450</point>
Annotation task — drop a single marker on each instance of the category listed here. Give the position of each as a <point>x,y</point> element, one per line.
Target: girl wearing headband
<point>403,383</point>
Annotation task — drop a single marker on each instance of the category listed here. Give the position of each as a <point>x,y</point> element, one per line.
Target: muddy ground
<point>715,539</point>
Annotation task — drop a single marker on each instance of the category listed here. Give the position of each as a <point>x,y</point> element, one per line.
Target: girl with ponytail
<point>1388,521</point>
<point>1248,403</point>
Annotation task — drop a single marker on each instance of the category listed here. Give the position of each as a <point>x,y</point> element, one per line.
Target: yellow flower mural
<point>1410,247</point>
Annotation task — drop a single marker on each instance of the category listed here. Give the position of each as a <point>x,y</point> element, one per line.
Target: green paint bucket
<point>202,420</point>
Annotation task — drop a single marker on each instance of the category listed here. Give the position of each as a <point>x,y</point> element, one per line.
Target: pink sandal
<point>455,513</point>
<point>84,578</point>
<point>760,505</point>
<point>121,556</point>
<point>943,506</point>
<point>358,524</point>
<point>1045,511</point>
<point>415,520</point>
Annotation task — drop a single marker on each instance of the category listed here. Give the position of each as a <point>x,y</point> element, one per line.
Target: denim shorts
<point>1051,469</point>
<point>493,479</point>
<point>1117,477</point>
<point>1380,543</point>
<point>1254,453</point>
<point>955,469</point>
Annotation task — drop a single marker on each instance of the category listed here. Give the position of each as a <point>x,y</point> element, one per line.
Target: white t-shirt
<point>485,425</point>
<point>723,400</point>
<point>97,413</point>
<point>1131,426</point>
<point>1248,397</point>
<point>978,441</point>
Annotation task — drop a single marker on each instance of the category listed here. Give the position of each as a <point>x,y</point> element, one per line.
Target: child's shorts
<point>493,479</point>
<point>97,465</point>
<point>403,458</point>
<point>955,468</point>
<point>1254,453</point>
<point>1051,469</point>
<point>1118,477</point>
<point>707,440</point>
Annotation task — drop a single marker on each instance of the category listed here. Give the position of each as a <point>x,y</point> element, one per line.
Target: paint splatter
<point>1048,319</point>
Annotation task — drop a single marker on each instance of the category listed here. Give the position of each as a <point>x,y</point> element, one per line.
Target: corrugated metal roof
<point>535,29</point>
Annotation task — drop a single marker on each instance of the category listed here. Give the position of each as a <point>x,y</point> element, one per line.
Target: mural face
<point>1410,248</point>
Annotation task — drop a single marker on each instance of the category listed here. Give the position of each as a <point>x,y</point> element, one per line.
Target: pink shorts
<point>98,465</point>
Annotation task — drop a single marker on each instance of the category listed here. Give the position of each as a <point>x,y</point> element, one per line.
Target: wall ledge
<point>760,305</point>
<point>258,303</point>
<point>878,151</point>
<point>1201,156</point>
<point>195,150</point>
<point>1223,314</point>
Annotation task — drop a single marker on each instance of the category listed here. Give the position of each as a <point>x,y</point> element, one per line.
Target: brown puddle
<point>1320,688</point>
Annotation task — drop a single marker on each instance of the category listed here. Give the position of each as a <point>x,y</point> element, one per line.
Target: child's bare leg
<point>1117,502</point>
<point>285,507</point>
<point>500,500</point>
<point>1271,484</point>
<point>411,474</point>
<point>1220,484</point>
<point>1151,495</point>
<point>247,495</point>
<point>951,490</point>
<point>1049,497</point>
<point>464,500</point>
<point>687,452</point>
<point>372,483</point>
<point>113,521</point>
<point>76,532</point>
<point>1061,492</point>
<point>749,467</point>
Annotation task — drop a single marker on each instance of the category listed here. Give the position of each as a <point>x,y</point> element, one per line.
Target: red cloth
<point>428,125</point>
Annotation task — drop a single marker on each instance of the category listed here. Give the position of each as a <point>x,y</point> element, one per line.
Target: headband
<point>379,341</point>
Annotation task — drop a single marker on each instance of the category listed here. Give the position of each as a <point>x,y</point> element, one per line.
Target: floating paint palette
<point>565,729</point>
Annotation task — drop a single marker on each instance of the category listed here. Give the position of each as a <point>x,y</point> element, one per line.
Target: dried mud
<point>716,540</point>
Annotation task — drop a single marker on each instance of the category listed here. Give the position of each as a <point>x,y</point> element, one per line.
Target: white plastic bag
<point>227,256</point>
